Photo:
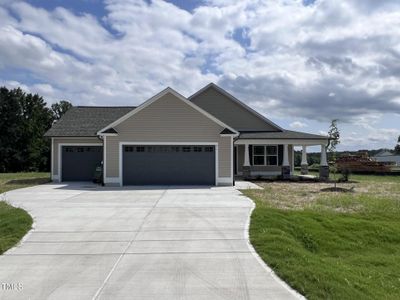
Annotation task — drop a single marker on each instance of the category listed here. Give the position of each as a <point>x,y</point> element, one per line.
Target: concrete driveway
<point>136,243</point>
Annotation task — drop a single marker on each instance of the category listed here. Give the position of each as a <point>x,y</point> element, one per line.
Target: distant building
<point>387,157</point>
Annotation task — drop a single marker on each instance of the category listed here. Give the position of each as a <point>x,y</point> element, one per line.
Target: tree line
<point>24,119</point>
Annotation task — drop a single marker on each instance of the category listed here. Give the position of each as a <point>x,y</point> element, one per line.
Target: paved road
<point>160,243</point>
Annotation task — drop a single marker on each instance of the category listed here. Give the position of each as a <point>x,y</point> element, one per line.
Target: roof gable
<point>226,131</point>
<point>158,97</point>
<point>231,110</point>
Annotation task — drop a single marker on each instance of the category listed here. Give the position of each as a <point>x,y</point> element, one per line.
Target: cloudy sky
<point>300,63</point>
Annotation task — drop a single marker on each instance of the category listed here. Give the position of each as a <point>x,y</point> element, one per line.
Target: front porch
<point>270,157</point>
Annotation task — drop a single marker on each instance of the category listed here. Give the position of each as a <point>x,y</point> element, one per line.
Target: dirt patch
<point>338,190</point>
<point>346,197</point>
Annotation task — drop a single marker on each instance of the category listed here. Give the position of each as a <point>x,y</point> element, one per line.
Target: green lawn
<point>15,222</point>
<point>12,181</point>
<point>331,245</point>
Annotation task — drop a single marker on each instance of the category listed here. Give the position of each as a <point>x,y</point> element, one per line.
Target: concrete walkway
<point>136,243</point>
<point>246,185</point>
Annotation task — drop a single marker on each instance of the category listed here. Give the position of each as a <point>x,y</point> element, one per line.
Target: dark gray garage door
<point>168,165</point>
<point>79,162</point>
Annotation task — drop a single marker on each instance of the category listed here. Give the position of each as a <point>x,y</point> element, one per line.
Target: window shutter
<point>280,155</point>
<point>251,154</point>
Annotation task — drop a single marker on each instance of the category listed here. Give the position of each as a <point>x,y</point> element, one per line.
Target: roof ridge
<point>254,131</point>
<point>105,106</point>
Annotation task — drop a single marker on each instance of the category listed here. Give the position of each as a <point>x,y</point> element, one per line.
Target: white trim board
<point>104,158</point>
<point>232,158</point>
<point>60,145</point>
<point>111,180</point>
<point>224,180</point>
<point>294,142</point>
<point>237,101</point>
<point>52,161</point>
<point>121,144</point>
<point>292,166</point>
<point>94,138</point>
<point>158,96</point>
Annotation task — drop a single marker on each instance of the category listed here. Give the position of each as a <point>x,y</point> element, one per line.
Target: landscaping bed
<point>331,245</point>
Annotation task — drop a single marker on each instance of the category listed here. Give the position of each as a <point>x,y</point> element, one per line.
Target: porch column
<point>246,162</point>
<point>304,163</point>
<point>246,156</point>
<point>285,163</point>
<point>323,166</point>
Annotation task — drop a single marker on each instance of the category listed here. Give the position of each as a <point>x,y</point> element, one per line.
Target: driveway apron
<point>170,242</point>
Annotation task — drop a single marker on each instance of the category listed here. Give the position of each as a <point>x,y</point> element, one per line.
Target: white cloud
<point>13,84</point>
<point>376,139</point>
<point>298,124</point>
<point>332,59</point>
<point>81,34</point>
<point>323,132</point>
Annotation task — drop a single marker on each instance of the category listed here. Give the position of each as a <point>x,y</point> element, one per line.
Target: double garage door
<point>168,165</point>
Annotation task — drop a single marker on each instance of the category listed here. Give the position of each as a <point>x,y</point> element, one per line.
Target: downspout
<point>103,139</point>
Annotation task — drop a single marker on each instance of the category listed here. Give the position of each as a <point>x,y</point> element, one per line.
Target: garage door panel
<point>79,162</point>
<point>174,165</point>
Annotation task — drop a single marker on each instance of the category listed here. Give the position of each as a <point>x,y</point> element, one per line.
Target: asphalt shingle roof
<point>86,120</point>
<point>285,134</point>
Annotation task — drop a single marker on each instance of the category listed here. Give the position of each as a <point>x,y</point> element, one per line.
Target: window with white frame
<point>265,155</point>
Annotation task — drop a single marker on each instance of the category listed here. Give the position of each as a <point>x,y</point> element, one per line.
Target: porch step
<point>306,176</point>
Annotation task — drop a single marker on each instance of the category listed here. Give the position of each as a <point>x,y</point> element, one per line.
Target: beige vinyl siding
<point>230,112</point>
<point>168,120</point>
<point>225,156</point>
<point>77,141</point>
<point>240,161</point>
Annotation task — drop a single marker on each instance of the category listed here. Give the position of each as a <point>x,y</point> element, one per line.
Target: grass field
<point>330,245</point>
<point>16,222</point>
<point>12,181</point>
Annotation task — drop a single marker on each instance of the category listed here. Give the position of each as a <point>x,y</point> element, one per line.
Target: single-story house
<point>206,139</point>
<point>387,157</point>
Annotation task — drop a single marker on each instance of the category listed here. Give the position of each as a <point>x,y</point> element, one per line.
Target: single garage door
<point>168,165</point>
<point>79,162</point>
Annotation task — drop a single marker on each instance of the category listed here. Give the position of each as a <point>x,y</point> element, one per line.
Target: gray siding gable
<point>230,110</point>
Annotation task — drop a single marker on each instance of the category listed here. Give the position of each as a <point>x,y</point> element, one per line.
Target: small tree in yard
<point>334,140</point>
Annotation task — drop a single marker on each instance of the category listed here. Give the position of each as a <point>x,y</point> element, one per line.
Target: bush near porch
<point>331,245</point>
